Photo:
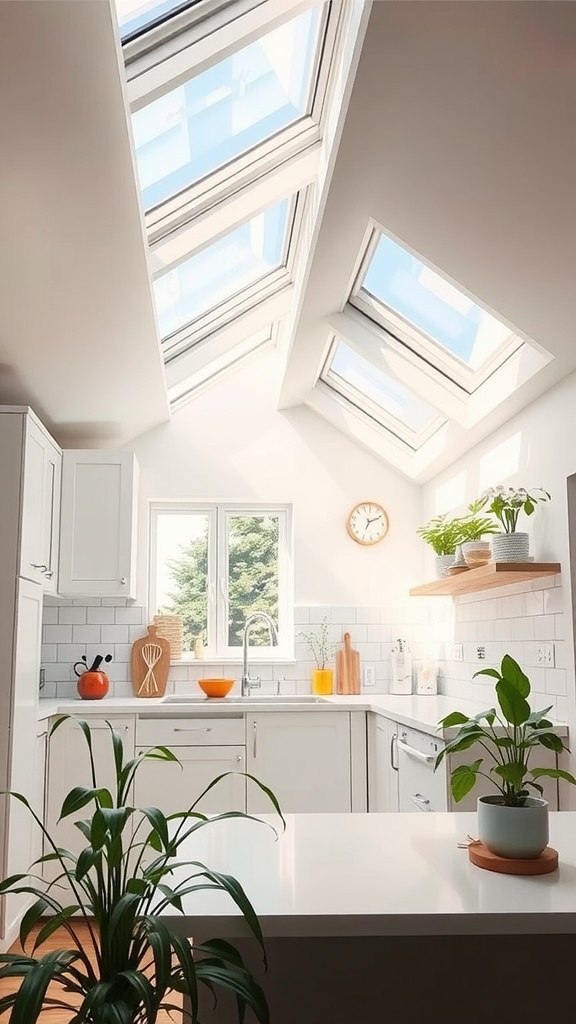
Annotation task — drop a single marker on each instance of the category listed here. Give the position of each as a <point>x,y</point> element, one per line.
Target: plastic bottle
<point>198,648</point>
<point>401,681</point>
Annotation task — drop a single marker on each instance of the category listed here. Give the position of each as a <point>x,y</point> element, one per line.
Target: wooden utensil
<point>150,663</point>
<point>347,668</point>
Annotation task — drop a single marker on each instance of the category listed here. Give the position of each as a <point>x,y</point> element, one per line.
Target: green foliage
<point>506,503</point>
<point>323,649</point>
<point>252,580</point>
<point>445,534</point>
<point>509,739</point>
<point>122,884</point>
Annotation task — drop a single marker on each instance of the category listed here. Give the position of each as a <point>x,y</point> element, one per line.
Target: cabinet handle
<point>420,800</point>
<point>123,581</point>
<point>49,573</point>
<point>177,729</point>
<point>255,738</point>
<point>417,754</point>
<point>392,749</point>
<point>35,565</point>
<point>239,757</point>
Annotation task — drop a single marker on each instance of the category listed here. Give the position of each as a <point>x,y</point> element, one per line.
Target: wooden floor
<point>60,940</point>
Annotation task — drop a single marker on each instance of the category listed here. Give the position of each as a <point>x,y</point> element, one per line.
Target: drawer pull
<point>413,752</point>
<point>177,729</point>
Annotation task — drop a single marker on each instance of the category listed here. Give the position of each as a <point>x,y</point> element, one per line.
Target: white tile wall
<point>514,621</point>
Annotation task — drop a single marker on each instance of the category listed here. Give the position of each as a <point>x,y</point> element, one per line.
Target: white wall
<point>535,448</point>
<point>231,444</point>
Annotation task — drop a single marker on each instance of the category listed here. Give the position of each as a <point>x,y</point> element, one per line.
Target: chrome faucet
<point>249,683</point>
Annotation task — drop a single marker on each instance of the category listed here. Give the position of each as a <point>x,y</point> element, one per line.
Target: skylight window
<point>226,110</point>
<point>227,267</point>
<point>379,394</point>
<point>136,15</point>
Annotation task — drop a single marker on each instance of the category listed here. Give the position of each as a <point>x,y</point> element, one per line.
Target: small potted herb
<point>323,650</point>
<point>443,534</point>
<point>514,821</point>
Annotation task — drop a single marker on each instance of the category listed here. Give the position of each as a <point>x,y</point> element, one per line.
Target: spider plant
<point>121,887</point>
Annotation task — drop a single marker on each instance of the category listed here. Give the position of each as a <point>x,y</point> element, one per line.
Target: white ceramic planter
<point>442,563</point>
<point>510,547</point>
<point>520,832</point>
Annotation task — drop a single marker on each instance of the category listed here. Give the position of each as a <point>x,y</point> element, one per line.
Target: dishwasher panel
<point>420,787</point>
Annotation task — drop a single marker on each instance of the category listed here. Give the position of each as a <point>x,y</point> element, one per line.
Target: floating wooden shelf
<point>494,574</point>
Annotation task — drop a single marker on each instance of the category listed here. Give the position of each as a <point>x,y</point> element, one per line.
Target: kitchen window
<point>215,564</point>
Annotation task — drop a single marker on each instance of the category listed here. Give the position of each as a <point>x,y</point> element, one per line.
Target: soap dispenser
<point>401,680</point>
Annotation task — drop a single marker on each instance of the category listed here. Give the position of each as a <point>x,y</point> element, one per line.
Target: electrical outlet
<point>545,655</point>
<point>481,653</point>
<point>455,652</point>
<point>368,675</point>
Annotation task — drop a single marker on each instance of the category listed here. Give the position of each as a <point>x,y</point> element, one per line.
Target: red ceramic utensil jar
<point>93,685</point>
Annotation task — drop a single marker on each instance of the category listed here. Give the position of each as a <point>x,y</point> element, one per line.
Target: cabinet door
<point>382,764</point>
<point>40,508</point>
<point>69,766</point>
<point>19,850</point>
<point>303,757</point>
<point>98,524</point>
<point>174,787</point>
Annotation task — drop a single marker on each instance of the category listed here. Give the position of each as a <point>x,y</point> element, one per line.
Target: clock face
<point>367,523</point>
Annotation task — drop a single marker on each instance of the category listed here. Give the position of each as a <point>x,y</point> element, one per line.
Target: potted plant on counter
<point>323,650</point>
<point>506,504</point>
<point>513,822</point>
<point>121,884</point>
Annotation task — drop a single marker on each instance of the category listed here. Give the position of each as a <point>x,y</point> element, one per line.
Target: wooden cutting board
<point>347,668</point>
<point>150,663</point>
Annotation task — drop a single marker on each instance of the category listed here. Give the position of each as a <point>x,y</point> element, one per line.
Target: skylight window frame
<point>193,333</point>
<point>416,343</point>
<point>367,407</point>
<point>217,369</point>
<point>253,162</point>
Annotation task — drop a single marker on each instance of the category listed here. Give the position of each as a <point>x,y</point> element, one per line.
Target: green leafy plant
<point>506,503</point>
<point>442,533</point>
<point>474,526</point>
<point>121,886</point>
<point>322,647</point>
<point>509,739</point>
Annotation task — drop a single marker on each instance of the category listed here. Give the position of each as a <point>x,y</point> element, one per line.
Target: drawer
<point>190,732</point>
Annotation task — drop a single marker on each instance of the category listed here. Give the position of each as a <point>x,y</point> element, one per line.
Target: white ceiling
<point>459,141</point>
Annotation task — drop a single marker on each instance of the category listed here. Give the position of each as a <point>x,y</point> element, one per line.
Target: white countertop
<point>376,874</point>
<point>418,712</point>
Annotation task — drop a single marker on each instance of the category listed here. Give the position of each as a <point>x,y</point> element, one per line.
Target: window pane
<point>182,571</point>
<point>252,575</point>
<point>426,300</point>
<point>216,273</point>
<point>134,15</point>
<point>381,389</point>
<point>225,110</point>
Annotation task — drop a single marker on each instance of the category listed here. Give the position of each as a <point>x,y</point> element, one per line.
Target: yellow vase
<point>322,680</point>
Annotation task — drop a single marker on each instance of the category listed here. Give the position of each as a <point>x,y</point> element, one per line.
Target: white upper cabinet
<point>40,507</point>
<point>98,524</point>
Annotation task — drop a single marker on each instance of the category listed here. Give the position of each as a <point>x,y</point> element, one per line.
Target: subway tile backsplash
<point>517,620</point>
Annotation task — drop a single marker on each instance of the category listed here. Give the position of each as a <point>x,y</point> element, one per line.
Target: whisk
<point>151,653</point>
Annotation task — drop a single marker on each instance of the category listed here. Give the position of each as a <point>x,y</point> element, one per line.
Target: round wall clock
<point>367,522</point>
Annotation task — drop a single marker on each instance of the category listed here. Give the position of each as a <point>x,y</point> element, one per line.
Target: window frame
<point>219,514</point>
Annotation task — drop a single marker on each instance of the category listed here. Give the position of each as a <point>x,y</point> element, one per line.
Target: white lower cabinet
<point>303,757</point>
<point>205,748</point>
<point>69,766</point>
<point>382,764</point>
<point>175,787</point>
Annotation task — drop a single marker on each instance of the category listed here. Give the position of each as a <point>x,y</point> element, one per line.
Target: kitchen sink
<point>266,698</point>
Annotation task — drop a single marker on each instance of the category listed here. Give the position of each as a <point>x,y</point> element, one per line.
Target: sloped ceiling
<point>78,339</point>
<point>459,140</point>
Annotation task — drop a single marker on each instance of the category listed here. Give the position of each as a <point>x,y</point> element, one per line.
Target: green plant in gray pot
<point>122,885</point>
<point>514,821</point>
<point>443,534</point>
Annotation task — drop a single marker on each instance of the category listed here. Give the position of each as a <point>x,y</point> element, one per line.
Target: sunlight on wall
<point>500,463</point>
<point>450,494</point>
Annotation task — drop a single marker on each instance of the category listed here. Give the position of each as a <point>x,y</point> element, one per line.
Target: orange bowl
<point>216,687</point>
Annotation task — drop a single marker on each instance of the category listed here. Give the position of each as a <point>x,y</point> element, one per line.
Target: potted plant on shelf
<point>443,534</point>
<point>473,527</point>
<point>323,650</point>
<point>513,822</point>
<point>121,883</point>
<point>506,503</point>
